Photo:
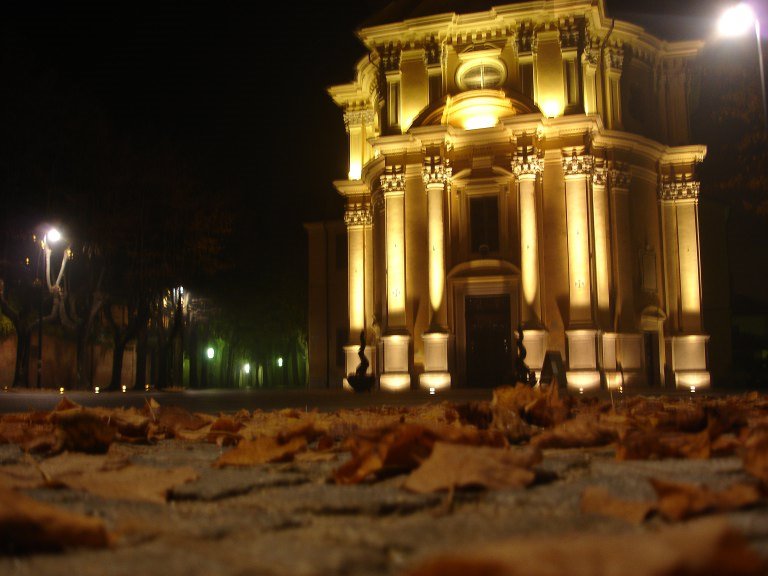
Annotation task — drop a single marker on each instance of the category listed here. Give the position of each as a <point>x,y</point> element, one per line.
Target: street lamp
<point>737,21</point>
<point>52,236</point>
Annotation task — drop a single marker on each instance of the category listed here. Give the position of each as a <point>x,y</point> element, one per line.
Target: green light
<point>210,353</point>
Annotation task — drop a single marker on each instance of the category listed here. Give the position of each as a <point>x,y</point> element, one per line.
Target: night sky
<point>239,95</point>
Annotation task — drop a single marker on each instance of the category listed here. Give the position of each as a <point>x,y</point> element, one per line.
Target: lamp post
<point>737,21</point>
<point>49,238</point>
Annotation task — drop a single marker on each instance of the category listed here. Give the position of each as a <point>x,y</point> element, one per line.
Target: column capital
<point>575,164</point>
<point>358,117</point>
<point>436,171</point>
<point>358,215</point>
<point>679,189</point>
<point>393,180</point>
<point>619,177</point>
<point>614,58</point>
<point>526,162</point>
<point>390,57</point>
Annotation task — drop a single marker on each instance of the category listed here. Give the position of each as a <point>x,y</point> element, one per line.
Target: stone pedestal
<point>689,361</point>
<point>436,375</point>
<point>582,374</point>
<point>535,342</point>
<point>395,376</point>
<point>352,361</point>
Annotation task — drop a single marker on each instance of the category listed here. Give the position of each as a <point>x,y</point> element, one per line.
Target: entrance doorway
<point>652,364</point>
<point>489,340</point>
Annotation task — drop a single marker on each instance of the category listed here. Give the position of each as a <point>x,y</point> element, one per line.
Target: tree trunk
<point>193,355</point>
<point>140,380</point>
<point>117,363</point>
<point>21,369</point>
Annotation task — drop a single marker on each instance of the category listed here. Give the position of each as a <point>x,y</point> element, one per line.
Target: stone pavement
<point>287,519</point>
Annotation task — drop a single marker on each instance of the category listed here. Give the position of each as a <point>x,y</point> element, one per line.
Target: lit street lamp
<point>737,21</point>
<point>51,237</point>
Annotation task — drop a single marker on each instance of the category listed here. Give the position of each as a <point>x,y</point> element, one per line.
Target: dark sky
<point>240,94</point>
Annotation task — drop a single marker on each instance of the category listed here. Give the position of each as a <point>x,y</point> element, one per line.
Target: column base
<point>435,381</point>
<point>395,377</point>
<point>689,361</point>
<point>395,381</point>
<point>581,381</point>
<point>535,342</point>
<point>436,376</point>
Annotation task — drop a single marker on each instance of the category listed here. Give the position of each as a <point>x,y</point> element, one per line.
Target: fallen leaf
<point>260,451</point>
<point>27,525</point>
<point>452,466</point>
<point>142,483</point>
<point>678,500</point>
<point>756,454</point>
<point>599,501</point>
<point>643,445</point>
<point>82,431</point>
<point>704,548</point>
<point>583,431</point>
<point>20,477</point>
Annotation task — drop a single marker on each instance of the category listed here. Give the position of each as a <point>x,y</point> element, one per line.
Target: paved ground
<point>288,519</point>
<point>214,401</point>
<point>285,519</point>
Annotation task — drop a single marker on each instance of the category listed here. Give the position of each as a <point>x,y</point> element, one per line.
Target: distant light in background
<point>124,387</point>
<point>432,390</point>
<point>96,390</point>
<point>146,387</point>
<point>280,361</point>
<point>247,368</point>
<point>210,353</point>
<point>61,390</point>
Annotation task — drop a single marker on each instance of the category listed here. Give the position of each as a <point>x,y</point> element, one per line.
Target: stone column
<point>357,217</point>
<point>601,220</point>
<point>359,126</point>
<point>679,199</point>
<point>527,166</point>
<point>436,175</point>
<point>581,335</point>
<point>589,59</point>
<point>395,374</point>
<point>614,63</point>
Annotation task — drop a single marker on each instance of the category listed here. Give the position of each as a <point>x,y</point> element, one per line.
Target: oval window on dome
<point>482,76</point>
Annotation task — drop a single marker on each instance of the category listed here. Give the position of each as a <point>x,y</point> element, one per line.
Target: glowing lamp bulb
<point>247,368</point>
<point>432,390</point>
<point>210,353</point>
<point>146,387</point>
<point>581,390</point>
<point>96,390</point>
<point>736,21</point>
<point>61,390</point>
<point>124,388</point>
<point>693,389</point>
<point>280,361</point>
<point>53,236</point>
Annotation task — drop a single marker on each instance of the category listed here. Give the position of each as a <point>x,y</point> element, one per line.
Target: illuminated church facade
<point>524,166</point>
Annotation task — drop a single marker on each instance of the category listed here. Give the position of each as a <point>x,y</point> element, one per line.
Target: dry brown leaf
<point>756,454</point>
<point>315,456</point>
<point>27,525</point>
<point>142,483</point>
<point>452,466</point>
<point>82,431</point>
<point>583,431</point>
<point>704,548</point>
<point>678,500</point>
<point>20,477</point>
<point>644,445</point>
<point>598,500</point>
<point>541,408</point>
<point>260,451</point>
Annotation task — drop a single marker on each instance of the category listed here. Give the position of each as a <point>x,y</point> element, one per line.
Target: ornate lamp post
<point>737,21</point>
<point>51,237</point>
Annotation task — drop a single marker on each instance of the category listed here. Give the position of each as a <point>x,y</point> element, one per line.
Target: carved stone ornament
<point>358,215</point>
<point>570,33</point>
<point>575,164</point>
<point>525,38</point>
<point>393,180</point>
<point>614,56</point>
<point>619,176</point>
<point>432,52</point>
<point>526,163</point>
<point>390,57</point>
<point>436,171</point>
<point>679,190</point>
<point>591,50</point>
<point>358,117</point>
<point>599,173</point>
